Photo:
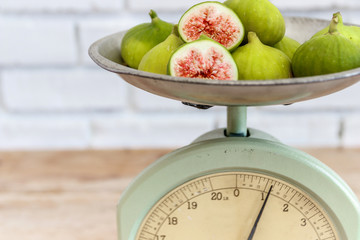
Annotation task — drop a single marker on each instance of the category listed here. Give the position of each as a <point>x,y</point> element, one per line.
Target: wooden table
<point>73,194</point>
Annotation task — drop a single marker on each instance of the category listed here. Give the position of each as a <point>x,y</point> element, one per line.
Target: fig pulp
<point>329,53</point>
<point>140,39</point>
<point>261,17</point>
<point>256,61</point>
<point>157,58</point>
<point>351,32</point>
<point>203,58</point>
<point>214,20</point>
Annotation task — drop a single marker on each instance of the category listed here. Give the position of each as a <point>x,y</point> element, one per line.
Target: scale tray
<point>106,53</point>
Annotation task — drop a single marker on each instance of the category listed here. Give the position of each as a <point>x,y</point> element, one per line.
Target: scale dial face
<point>237,206</point>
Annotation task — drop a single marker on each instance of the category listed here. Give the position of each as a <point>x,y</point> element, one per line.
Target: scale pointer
<point>252,233</point>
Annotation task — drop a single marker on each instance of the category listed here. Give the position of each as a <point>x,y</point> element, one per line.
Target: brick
<point>299,130</point>
<point>43,132</point>
<point>162,5</point>
<point>144,101</point>
<point>62,90</point>
<point>30,42</point>
<point>316,5</point>
<point>94,29</point>
<point>308,130</point>
<point>148,130</point>
<point>317,14</point>
<point>283,5</point>
<point>350,17</point>
<point>351,134</point>
<point>345,100</point>
<point>60,6</point>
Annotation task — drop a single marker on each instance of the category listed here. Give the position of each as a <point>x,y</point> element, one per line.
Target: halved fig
<point>215,20</point>
<point>203,58</point>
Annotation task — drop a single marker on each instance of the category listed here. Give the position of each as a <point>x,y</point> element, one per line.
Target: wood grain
<point>73,194</point>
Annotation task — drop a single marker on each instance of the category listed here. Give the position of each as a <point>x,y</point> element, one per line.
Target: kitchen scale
<point>237,182</point>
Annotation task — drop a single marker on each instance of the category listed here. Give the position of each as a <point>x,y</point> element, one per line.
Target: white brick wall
<point>316,5</point>
<point>39,131</point>
<point>149,129</point>
<point>352,130</point>
<point>174,6</point>
<point>52,95</point>
<point>37,41</point>
<point>61,6</point>
<point>51,90</point>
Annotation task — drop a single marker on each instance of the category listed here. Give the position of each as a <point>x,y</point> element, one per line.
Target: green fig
<point>351,32</point>
<point>256,61</point>
<point>203,58</point>
<point>140,39</point>
<point>261,17</point>
<point>288,46</point>
<point>214,20</point>
<point>325,54</point>
<point>157,58</point>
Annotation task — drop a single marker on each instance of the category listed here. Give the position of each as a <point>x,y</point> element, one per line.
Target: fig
<point>157,58</point>
<point>351,32</point>
<point>257,61</point>
<point>214,20</point>
<point>203,58</point>
<point>325,54</point>
<point>138,40</point>
<point>288,46</point>
<point>261,17</point>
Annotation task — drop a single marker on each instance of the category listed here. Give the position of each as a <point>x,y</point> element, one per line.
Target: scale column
<point>236,121</point>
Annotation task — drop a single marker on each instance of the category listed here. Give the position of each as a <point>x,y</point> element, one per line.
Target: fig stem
<point>339,17</point>
<point>153,14</point>
<point>252,37</point>
<point>333,24</point>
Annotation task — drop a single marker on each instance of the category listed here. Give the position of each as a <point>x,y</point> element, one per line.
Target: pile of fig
<point>238,40</point>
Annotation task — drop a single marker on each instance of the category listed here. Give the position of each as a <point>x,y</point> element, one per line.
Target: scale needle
<point>252,233</point>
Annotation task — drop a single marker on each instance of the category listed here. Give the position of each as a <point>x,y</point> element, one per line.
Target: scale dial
<point>228,206</point>
<point>216,187</point>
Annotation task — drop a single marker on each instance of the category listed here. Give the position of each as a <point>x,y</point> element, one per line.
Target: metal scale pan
<point>106,53</point>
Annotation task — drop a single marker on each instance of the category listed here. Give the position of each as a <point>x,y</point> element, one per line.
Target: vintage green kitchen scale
<point>235,183</point>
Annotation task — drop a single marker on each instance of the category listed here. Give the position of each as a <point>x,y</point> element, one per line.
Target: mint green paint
<point>258,153</point>
<point>236,121</point>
